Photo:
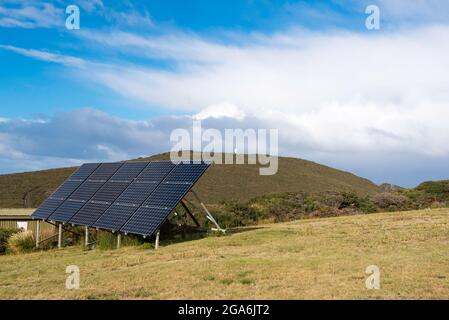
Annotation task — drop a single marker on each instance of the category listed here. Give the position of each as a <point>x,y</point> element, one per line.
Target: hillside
<point>220,183</point>
<point>315,258</point>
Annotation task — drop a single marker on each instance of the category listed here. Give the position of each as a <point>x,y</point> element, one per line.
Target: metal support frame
<point>156,244</point>
<point>190,213</point>
<point>37,235</point>
<point>86,237</point>
<point>60,236</point>
<point>207,213</point>
<point>119,240</point>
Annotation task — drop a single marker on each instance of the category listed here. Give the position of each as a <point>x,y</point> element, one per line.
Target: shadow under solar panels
<point>64,191</point>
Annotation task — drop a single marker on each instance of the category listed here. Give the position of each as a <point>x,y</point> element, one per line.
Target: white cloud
<point>30,14</point>
<point>337,92</point>
<point>342,91</point>
<point>221,110</point>
<point>47,56</point>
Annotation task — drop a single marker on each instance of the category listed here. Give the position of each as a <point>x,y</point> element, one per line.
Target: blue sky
<point>373,102</point>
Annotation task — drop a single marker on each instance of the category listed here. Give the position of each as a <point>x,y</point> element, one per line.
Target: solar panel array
<point>131,197</point>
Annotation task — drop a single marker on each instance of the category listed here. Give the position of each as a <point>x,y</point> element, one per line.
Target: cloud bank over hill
<point>371,101</point>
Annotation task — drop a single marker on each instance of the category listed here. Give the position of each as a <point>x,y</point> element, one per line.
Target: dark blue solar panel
<point>105,171</point>
<point>134,195</point>
<point>89,213</point>
<point>99,203</point>
<point>129,171</point>
<point>66,211</point>
<point>156,171</point>
<point>66,189</point>
<point>84,171</point>
<point>187,172</point>
<point>110,191</point>
<point>145,221</point>
<point>115,217</point>
<point>164,198</point>
<point>167,195</point>
<point>86,190</point>
<point>47,208</point>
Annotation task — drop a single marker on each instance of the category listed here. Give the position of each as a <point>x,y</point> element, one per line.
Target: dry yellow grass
<point>308,259</point>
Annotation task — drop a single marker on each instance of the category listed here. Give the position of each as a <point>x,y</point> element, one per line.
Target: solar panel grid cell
<point>167,195</point>
<point>164,198</point>
<point>84,171</point>
<point>86,190</point>
<point>156,171</point>
<point>115,217</point>
<point>129,171</point>
<point>89,213</point>
<point>110,191</point>
<point>134,195</point>
<point>66,211</point>
<point>66,189</point>
<point>47,208</point>
<point>146,220</point>
<point>105,171</point>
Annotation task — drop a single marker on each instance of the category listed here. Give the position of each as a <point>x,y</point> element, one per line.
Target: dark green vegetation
<point>5,234</point>
<point>291,206</point>
<point>220,183</point>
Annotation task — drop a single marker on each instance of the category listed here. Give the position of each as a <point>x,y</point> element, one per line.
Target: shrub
<point>4,236</point>
<point>21,242</point>
<point>390,201</point>
<point>351,200</point>
<point>106,241</point>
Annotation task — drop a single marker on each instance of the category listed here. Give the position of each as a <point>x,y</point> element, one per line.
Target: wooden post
<point>60,236</point>
<point>86,238</point>
<point>119,240</point>
<point>156,245</point>
<point>37,233</point>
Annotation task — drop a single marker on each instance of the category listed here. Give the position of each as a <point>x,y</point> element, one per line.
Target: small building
<point>21,219</point>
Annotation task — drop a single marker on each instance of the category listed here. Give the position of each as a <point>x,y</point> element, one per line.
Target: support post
<point>60,236</point>
<point>119,240</point>
<point>37,235</point>
<point>190,213</point>
<point>86,237</point>
<point>156,245</point>
<point>208,214</point>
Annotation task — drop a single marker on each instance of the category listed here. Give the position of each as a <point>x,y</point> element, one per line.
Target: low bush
<point>390,201</point>
<point>21,242</point>
<point>5,234</point>
<point>108,241</point>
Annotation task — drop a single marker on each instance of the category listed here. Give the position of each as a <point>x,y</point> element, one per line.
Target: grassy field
<point>236,182</point>
<point>307,259</point>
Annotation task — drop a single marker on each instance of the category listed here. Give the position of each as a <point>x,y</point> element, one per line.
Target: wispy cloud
<point>30,14</point>
<point>47,56</point>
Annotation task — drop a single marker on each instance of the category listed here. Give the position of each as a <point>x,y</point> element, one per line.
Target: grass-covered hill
<point>220,183</point>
